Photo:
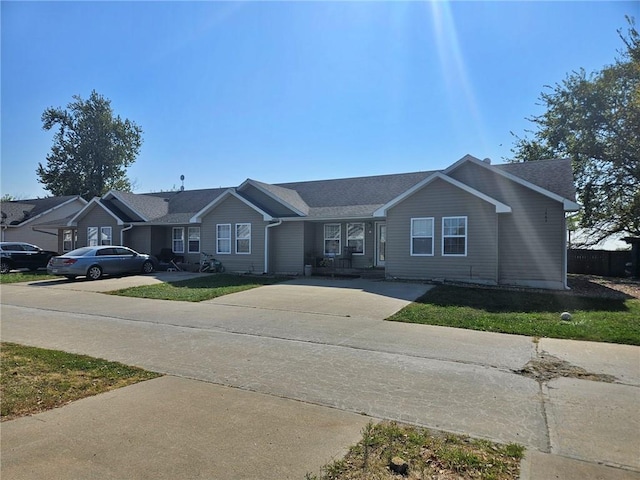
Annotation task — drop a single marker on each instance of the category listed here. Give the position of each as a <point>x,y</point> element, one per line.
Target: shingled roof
<point>16,212</point>
<point>350,197</point>
<point>289,196</point>
<point>555,175</point>
<point>336,198</point>
<point>148,206</point>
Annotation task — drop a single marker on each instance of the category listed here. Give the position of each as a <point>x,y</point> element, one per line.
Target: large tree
<point>91,149</point>
<point>595,121</point>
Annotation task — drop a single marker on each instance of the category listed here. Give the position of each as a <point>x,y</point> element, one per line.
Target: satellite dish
<point>182,177</point>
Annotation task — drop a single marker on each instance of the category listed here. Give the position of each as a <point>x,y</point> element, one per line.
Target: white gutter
<point>42,231</point>
<point>122,233</point>
<point>266,243</point>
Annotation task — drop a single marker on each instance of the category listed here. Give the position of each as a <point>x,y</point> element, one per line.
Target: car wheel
<point>147,267</point>
<point>5,267</point>
<point>94,272</point>
<point>70,277</point>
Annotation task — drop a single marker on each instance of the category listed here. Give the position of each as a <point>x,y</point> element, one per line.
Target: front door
<point>381,243</point>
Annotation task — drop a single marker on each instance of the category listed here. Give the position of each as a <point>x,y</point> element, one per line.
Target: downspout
<point>266,243</point>
<point>497,233</point>
<point>122,233</point>
<point>565,254</point>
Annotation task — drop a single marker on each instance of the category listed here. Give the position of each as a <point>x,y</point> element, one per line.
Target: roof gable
<point>499,206</point>
<point>197,218</point>
<point>532,171</point>
<point>95,202</point>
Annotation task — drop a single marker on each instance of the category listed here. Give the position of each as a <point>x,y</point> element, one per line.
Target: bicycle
<point>210,264</point>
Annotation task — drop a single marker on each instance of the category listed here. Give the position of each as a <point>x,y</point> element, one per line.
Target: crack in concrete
<point>546,367</point>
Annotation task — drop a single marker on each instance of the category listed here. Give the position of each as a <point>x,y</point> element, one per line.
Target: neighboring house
<point>35,220</point>
<point>472,222</point>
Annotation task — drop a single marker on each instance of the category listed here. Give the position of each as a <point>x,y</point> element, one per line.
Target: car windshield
<point>79,252</point>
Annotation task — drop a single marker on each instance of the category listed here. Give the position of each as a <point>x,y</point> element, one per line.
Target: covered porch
<point>355,248</point>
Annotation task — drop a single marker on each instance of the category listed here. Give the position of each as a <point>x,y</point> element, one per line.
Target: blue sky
<point>291,91</point>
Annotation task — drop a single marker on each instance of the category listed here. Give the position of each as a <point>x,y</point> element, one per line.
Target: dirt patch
<point>547,367</point>
<point>608,287</point>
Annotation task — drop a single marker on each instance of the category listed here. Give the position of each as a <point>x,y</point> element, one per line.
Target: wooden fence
<point>598,262</point>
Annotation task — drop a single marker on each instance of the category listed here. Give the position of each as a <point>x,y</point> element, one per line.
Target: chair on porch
<point>166,256</point>
<point>347,257</point>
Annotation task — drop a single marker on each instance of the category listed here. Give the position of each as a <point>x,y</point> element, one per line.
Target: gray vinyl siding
<point>97,217</point>
<point>139,238</point>
<point>46,239</point>
<point>233,211</point>
<point>440,199</point>
<point>532,244</point>
<point>310,250</point>
<point>161,238</point>
<point>532,237</point>
<point>287,253</point>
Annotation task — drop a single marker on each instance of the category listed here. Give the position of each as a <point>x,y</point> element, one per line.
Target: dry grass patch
<point>35,379</point>
<point>427,454</point>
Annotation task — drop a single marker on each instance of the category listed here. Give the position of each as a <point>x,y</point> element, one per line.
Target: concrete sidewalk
<point>455,380</point>
<point>175,428</point>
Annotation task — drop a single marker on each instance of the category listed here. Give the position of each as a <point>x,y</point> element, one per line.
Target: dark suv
<point>15,255</point>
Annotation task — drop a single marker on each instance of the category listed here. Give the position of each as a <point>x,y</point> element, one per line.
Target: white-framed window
<point>454,236</point>
<point>243,238</point>
<point>177,240</point>
<point>193,240</point>
<point>68,240</point>
<point>422,236</point>
<point>223,238</point>
<point>355,237</point>
<point>92,236</point>
<point>332,233</point>
<point>105,236</point>
<point>99,236</point>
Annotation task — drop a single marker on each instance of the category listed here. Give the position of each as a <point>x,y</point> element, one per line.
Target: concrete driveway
<point>324,296</point>
<point>327,296</point>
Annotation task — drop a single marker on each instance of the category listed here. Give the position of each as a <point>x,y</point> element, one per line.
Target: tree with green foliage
<point>595,121</point>
<point>91,148</point>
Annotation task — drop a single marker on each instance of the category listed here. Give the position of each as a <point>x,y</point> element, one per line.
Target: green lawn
<point>198,289</point>
<point>527,313</point>
<point>26,276</point>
